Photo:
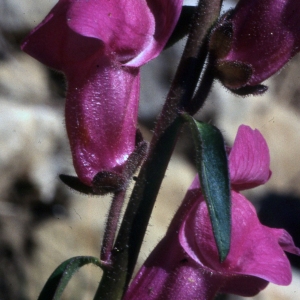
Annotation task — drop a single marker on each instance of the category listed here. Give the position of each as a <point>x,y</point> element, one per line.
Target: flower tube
<point>100,45</point>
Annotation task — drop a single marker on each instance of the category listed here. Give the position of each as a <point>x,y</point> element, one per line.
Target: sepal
<point>255,90</point>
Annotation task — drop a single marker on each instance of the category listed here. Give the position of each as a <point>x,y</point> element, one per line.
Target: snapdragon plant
<point>215,242</point>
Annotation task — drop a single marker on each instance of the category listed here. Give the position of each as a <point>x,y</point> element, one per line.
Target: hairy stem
<point>111,226</point>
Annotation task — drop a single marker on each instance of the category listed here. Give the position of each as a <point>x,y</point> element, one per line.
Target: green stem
<point>138,212</point>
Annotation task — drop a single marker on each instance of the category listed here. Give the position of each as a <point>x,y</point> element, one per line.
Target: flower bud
<point>252,42</point>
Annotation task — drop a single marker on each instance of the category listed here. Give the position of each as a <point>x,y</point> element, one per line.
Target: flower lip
<point>124,34</point>
<point>135,31</point>
<point>255,249</point>
<point>54,44</point>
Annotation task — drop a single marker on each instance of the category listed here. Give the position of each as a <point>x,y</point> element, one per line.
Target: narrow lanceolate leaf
<point>212,166</point>
<point>59,279</point>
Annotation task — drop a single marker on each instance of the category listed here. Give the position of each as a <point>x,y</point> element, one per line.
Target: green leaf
<point>59,279</point>
<point>183,25</point>
<point>212,166</point>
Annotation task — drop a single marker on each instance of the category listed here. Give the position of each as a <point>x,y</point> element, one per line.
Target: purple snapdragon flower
<point>185,264</point>
<point>254,41</point>
<point>100,45</point>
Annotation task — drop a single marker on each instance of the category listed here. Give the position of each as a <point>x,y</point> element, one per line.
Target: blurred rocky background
<point>43,223</point>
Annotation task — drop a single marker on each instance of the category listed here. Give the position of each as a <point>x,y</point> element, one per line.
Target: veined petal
<point>101,116</point>
<point>54,44</point>
<point>249,159</point>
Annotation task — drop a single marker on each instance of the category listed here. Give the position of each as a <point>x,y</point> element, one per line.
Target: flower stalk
<point>111,226</point>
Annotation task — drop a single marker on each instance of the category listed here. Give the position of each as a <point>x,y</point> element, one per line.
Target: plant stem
<point>111,226</point>
<point>138,212</point>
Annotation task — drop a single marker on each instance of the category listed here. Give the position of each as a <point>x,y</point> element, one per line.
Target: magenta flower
<point>186,265</point>
<point>99,45</point>
<point>256,40</point>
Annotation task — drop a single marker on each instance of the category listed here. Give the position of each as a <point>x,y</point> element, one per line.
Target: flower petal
<point>125,27</point>
<point>166,14</point>
<point>54,44</point>
<point>101,116</point>
<point>286,241</point>
<point>150,281</point>
<point>255,249</point>
<point>189,281</point>
<point>249,159</point>
<point>134,31</point>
